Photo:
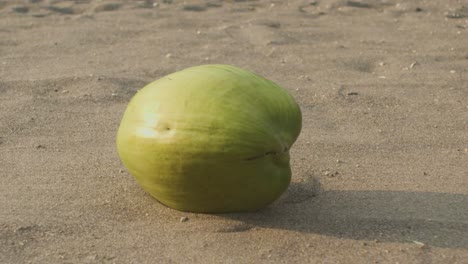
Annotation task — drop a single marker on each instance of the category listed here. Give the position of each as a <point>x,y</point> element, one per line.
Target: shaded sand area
<point>380,170</point>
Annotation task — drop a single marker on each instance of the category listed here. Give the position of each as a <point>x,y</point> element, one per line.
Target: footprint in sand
<point>260,33</point>
<point>61,10</point>
<point>107,7</point>
<point>201,7</point>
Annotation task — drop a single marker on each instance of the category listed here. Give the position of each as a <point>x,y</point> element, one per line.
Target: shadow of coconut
<point>435,219</point>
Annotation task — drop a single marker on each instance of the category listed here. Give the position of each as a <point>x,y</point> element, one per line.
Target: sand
<point>380,170</point>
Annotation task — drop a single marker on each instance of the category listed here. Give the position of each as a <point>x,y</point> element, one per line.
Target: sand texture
<point>380,171</point>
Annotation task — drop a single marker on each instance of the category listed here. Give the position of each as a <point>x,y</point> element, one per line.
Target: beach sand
<point>380,171</point>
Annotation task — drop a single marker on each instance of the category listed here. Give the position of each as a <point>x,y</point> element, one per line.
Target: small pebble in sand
<point>168,55</point>
<point>420,244</point>
<point>184,219</point>
<point>331,174</point>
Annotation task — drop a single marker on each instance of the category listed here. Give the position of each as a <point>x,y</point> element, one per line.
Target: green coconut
<point>210,139</point>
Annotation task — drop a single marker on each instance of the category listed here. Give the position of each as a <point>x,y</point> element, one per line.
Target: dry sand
<point>380,169</point>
